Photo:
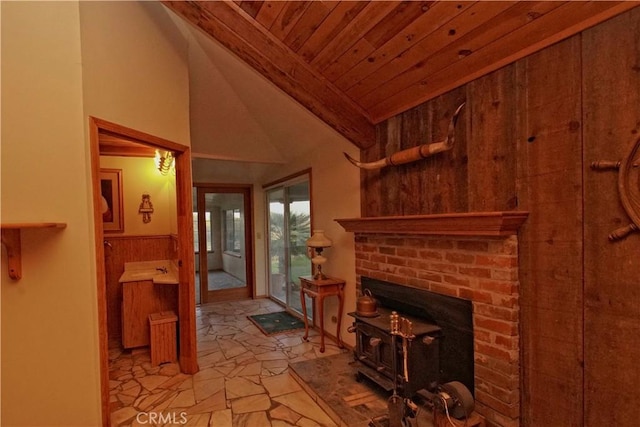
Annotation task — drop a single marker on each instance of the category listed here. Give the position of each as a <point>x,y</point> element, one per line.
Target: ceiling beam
<point>232,27</point>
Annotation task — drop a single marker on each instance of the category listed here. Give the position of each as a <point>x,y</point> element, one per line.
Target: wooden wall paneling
<point>438,181</point>
<point>414,132</point>
<point>490,114</point>
<point>437,184</point>
<point>371,181</point>
<point>444,182</point>
<point>391,195</point>
<point>525,258</point>
<point>574,372</point>
<point>549,139</point>
<point>612,269</point>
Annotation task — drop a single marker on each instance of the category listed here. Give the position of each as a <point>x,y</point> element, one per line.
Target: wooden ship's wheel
<point>628,188</point>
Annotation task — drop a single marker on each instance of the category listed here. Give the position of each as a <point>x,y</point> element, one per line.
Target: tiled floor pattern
<point>216,280</point>
<point>244,379</point>
<point>353,402</point>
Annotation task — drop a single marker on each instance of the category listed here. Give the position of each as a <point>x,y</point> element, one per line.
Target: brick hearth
<point>481,269</point>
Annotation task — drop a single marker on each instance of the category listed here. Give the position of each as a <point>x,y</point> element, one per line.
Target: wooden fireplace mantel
<point>503,223</point>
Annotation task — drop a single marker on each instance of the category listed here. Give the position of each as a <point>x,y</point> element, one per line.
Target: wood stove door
<point>373,348</point>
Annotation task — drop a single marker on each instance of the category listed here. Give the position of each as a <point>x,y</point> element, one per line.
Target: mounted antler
<point>416,153</point>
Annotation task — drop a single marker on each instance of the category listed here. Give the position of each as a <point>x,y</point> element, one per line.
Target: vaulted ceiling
<point>357,63</point>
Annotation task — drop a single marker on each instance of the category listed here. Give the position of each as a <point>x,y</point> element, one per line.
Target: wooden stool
<point>440,420</point>
<point>163,337</point>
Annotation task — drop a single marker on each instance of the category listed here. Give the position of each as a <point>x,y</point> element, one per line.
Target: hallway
<point>243,381</point>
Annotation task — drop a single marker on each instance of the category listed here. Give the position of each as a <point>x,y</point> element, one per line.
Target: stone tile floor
<point>243,381</point>
<point>332,382</point>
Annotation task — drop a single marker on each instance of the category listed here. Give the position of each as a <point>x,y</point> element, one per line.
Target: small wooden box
<point>474,420</point>
<point>163,337</point>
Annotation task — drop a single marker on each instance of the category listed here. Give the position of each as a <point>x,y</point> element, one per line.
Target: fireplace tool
<point>400,409</point>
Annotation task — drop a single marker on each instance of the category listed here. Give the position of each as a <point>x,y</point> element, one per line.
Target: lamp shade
<point>319,240</point>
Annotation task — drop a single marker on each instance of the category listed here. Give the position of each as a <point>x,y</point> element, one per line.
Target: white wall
<point>50,363</point>
<point>61,62</point>
<point>135,68</point>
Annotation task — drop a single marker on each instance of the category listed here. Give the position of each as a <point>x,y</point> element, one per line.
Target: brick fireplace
<point>469,256</point>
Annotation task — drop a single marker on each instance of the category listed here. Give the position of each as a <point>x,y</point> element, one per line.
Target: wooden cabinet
<point>139,300</point>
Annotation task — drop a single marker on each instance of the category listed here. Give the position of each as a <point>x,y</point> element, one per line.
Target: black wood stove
<point>441,350</point>
<point>374,350</point>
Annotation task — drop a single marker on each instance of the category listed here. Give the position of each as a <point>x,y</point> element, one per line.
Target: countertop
<point>149,270</point>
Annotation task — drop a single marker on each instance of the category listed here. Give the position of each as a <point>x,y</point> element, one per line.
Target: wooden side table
<point>321,289</point>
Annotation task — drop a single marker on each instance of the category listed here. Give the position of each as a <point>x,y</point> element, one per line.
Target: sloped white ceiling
<point>241,124</point>
<point>221,124</point>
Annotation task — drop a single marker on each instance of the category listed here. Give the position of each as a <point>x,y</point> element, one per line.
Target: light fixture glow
<point>164,162</point>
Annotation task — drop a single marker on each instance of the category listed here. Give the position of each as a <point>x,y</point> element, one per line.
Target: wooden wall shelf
<point>11,240</point>
<point>458,224</point>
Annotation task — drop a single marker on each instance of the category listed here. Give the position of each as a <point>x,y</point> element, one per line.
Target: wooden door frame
<point>186,292</point>
<point>247,191</point>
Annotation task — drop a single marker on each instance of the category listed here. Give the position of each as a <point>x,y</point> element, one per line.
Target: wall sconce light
<point>318,241</point>
<point>164,161</point>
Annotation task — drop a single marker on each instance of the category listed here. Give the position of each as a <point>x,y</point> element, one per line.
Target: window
<point>233,230</point>
<point>207,220</point>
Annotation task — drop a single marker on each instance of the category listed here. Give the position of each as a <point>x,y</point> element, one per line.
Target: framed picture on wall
<point>112,210</point>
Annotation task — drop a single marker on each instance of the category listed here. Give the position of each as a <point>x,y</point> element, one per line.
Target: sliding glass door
<point>289,225</point>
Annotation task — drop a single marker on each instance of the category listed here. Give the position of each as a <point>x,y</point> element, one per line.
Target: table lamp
<point>318,241</point>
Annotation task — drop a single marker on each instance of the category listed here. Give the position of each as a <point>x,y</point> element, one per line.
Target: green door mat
<point>275,323</point>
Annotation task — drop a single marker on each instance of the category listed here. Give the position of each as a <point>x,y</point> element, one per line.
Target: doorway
<point>289,225</point>
<point>223,242</point>
<point>125,140</point>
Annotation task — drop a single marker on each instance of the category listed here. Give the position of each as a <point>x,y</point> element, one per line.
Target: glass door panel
<point>289,225</point>
<point>299,231</point>
<point>277,247</point>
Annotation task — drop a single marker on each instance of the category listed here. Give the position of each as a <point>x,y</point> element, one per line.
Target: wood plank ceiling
<point>357,63</point>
